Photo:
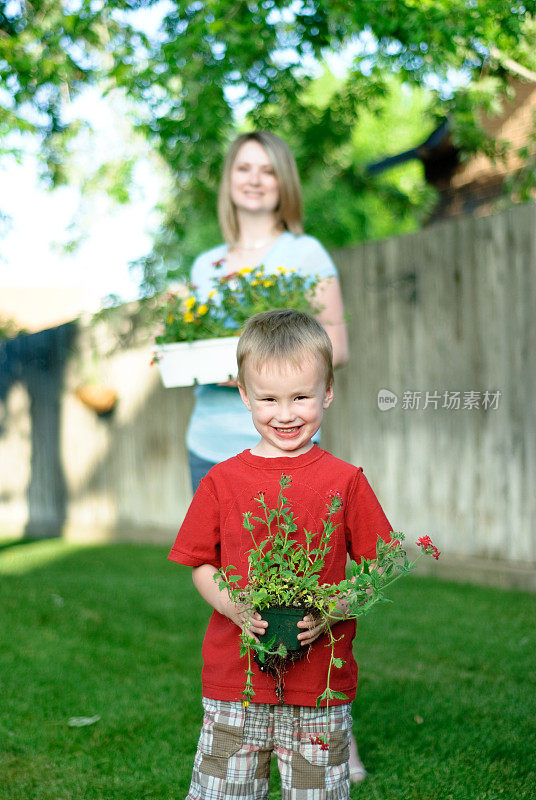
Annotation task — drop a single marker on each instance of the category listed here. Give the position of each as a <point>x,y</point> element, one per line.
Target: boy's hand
<point>253,624</point>
<point>239,613</point>
<point>256,626</point>
<point>314,628</point>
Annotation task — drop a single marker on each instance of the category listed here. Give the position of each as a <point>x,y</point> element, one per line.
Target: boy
<point>285,378</point>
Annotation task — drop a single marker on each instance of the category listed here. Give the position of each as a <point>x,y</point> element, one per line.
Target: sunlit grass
<point>445,709</point>
<point>19,556</point>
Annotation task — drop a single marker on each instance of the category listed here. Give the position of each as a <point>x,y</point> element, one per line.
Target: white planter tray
<point>203,361</point>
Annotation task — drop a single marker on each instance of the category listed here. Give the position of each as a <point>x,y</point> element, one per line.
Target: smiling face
<point>287,405</point>
<point>254,185</point>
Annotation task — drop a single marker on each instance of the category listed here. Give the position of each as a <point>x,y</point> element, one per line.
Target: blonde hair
<point>283,336</point>
<point>289,209</point>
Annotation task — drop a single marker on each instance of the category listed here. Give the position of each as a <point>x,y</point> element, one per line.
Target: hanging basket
<point>200,362</point>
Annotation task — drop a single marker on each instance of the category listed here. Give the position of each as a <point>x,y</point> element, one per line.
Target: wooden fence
<point>442,321</point>
<point>448,310</point>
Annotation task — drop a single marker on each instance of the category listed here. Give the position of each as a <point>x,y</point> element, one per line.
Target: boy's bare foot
<point>358,772</point>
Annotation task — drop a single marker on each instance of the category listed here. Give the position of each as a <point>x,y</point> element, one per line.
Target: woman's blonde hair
<point>284,336</point>
<point>289,209</point>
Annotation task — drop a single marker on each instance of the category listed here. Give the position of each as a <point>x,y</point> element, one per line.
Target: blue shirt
<point>220,425</point>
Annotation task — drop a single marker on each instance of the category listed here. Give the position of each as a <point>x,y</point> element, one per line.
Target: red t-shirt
<point>212,533</point>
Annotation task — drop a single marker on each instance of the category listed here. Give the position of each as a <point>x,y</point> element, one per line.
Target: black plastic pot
<point>283,624</point>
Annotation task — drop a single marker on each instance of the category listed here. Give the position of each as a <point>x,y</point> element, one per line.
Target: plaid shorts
<point>236,744</point>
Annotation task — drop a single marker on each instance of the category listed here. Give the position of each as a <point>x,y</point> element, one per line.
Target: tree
<point>222,56</point>
<point>215,59</point>
<point>49,51</point>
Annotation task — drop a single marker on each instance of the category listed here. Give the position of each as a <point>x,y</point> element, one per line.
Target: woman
<point>260,215</point>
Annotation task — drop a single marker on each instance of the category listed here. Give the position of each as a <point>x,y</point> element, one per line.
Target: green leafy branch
<point>284,572</point>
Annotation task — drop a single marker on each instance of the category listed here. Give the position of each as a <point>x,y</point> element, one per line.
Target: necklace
<point>258,243</point>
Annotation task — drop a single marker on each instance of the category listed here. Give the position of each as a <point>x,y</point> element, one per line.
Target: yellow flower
<point>255,283</point>
<point>282,270</point>
<point>202,310</point>
<point>245,703</point>
<point>245,270</point>
<point>211,294</point>
<point>190,303</point>
<point>188,317</point>
<point>269,283</point>
<point>170,319</point>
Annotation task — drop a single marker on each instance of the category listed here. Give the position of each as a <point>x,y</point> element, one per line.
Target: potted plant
<point>199,337</point>
<point>284,584</point>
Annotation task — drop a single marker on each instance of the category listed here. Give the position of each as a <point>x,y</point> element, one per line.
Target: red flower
<point>428,547</point>
<point>317,740</point>
<point>424,541</point>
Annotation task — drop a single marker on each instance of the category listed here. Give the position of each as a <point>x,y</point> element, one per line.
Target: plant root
<point>276,666</point>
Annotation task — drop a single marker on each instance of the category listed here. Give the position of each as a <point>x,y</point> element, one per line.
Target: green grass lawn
<point>446,701</point>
